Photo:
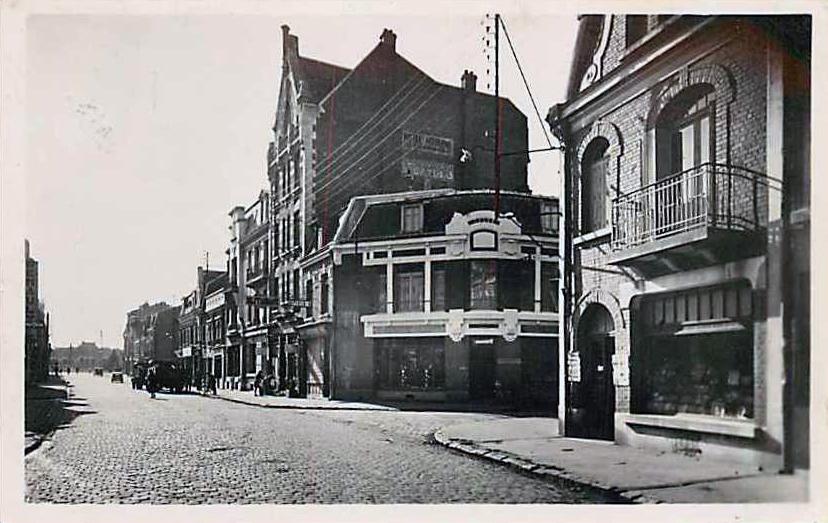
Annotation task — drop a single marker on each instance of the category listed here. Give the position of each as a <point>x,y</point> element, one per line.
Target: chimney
<point>468,81</point>
<point>389,39</point>
<point>289,42</point>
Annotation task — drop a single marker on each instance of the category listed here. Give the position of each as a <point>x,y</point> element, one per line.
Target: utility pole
<point>497,118</point>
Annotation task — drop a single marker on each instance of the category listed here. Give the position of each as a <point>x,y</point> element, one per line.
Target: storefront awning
<point>692,328</point>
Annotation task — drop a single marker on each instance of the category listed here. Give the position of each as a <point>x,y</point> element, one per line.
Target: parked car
<point>116,377</point>
<point>169,376</point>
<point>98,371</point>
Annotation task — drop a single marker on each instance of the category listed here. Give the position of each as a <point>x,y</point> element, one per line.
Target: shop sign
<point>573,367</point>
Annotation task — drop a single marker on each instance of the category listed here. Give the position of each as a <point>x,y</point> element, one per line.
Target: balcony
<point>699,217</point>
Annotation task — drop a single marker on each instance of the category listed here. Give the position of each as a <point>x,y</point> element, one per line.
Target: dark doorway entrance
<point>596,346</point>
<point>482,370</point>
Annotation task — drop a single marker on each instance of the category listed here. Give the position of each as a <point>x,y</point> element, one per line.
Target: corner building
<point>687,191</point>
<point>435,299</point>
<point>382,127</point>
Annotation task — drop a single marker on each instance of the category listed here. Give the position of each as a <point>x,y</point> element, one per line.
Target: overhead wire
<point>388,135</point>
<point>525,82</point>
<point>359,134</point>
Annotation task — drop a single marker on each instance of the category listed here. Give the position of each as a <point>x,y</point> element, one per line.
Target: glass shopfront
<point>694,353</point>
<point>410,364</point>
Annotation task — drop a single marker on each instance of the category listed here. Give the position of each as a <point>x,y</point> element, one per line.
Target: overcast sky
<point>144,131</point>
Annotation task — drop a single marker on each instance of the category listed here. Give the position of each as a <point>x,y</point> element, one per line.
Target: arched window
<point>684,131</point>
<point>594,169</point>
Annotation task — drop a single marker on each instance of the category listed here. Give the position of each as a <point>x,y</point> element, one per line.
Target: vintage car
<point>168,376</point>
<point>98,371</point>
<point>116,377</point>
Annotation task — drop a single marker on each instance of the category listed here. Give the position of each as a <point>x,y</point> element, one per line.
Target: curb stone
<point>542,471</point>
<point>290,407</point>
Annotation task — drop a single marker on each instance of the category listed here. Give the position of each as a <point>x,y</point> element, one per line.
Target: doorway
<point>596,346</point>
<point>482,369</point>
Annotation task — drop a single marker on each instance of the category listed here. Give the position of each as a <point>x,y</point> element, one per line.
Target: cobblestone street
<point>129,448</point>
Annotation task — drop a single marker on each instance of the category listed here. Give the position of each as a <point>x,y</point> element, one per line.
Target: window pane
<point>704,139</point>
<point>483,284</point>
<point>687,157</point>
<point>438,289</point>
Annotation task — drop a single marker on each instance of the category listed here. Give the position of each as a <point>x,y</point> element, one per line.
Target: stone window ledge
<point>600,234</point>
<point>696,423</point>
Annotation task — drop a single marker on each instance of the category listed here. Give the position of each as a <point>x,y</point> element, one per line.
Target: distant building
<point>37,347</point>
<point>191,324</point>
<point>248,348</point>
<point>217,293</point>
<point>86,356</point>
<point>151,332</point>
<point>382,127</point>
<point>687,193</point>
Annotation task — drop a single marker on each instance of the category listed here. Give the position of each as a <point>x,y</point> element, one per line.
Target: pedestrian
<point>211,384</point>
<point>152,382</point>
<point>257,384</point>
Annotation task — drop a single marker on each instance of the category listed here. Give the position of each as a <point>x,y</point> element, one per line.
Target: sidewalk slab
<point>533,444</point>
<point>281,402</point>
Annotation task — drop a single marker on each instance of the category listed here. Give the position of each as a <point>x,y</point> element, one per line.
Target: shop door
<point>597,346</point>
<point>481,371</point>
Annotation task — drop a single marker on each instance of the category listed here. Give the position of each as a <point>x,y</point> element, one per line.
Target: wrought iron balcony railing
<point>709,195</point>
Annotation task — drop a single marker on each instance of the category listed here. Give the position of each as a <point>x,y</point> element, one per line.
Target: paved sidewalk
<point>282,402</point>
<point>535,445</point>
<point>43,410</point>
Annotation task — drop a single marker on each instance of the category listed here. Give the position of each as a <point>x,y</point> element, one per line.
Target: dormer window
<point>636,28</point>
<point>412,218</point>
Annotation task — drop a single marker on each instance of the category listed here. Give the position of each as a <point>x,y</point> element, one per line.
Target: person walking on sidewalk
<point>152,382</point>
<point>257,384</point>
<point>211,384</point>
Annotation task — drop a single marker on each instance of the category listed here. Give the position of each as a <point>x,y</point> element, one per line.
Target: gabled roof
<point>317,78</point>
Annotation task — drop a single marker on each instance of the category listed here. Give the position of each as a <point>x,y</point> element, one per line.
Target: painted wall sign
<point>431,169</point>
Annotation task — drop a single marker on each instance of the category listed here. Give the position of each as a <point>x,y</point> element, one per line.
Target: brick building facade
<point>687,167</point>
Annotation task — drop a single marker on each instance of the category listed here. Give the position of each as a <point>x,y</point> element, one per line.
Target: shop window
<point>710,374</point>
<point>594,171</point>
<point>409,287</point>
<point>412,218</point>
<point>410,364</point>
<point>483,285</point>
<point>695,353</point>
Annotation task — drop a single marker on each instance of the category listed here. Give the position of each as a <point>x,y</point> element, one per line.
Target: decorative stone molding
<point>607,300</point>
<point>595,70</point>
<point>510,330</point>
<point>454,327</point>
<point>716,75</point>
